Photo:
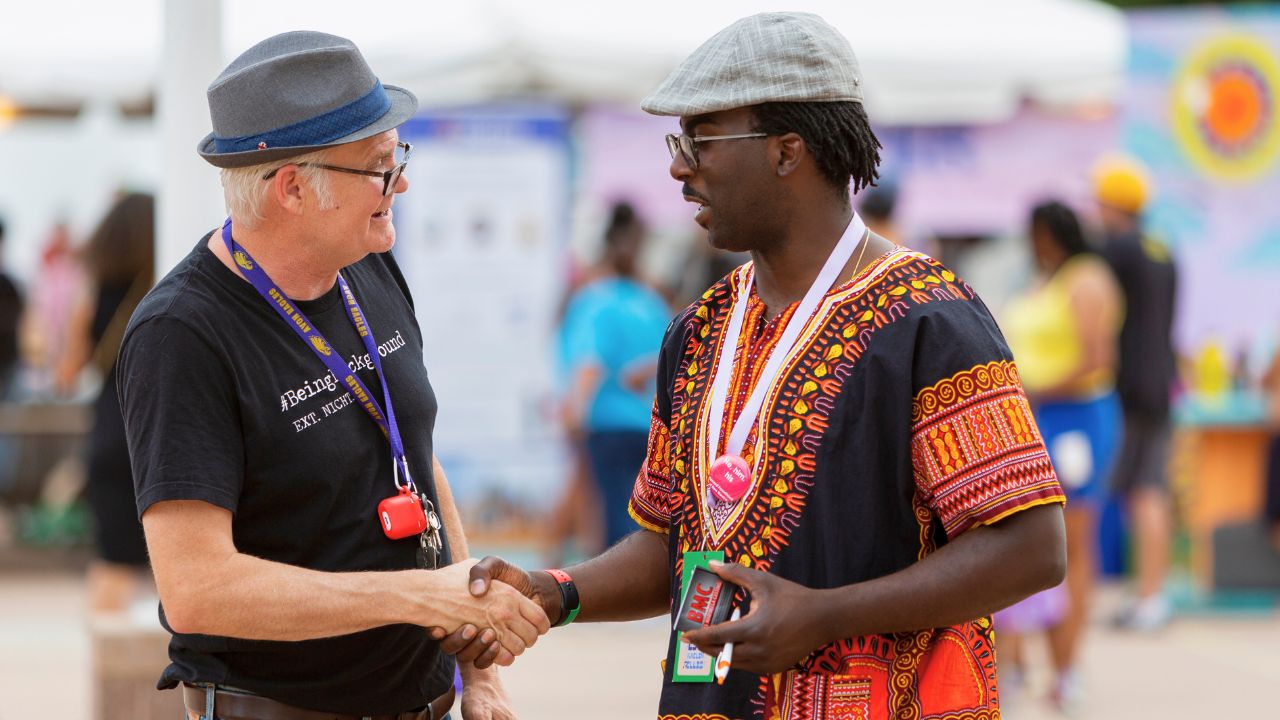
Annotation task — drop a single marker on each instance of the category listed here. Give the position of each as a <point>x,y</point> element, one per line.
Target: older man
<point>839,427</point>
<point>279,420</point>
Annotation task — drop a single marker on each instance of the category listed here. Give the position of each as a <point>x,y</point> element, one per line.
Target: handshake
<point>495,613</point>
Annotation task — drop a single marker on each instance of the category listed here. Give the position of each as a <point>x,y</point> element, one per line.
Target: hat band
<point>319,130</point>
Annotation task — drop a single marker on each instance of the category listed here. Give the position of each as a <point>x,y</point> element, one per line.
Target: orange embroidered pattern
<point>907,676</point>
<point>651,500</point>
<point>976,451</point>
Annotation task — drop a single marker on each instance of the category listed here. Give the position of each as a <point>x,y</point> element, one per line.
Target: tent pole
<point>189,197</point>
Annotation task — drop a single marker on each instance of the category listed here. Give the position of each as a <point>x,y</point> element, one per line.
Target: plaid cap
<point>769,57</point>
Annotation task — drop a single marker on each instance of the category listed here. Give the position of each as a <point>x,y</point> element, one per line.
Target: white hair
<point>245,191</point>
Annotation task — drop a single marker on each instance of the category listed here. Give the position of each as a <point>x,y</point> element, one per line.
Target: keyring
<point>408,479</point>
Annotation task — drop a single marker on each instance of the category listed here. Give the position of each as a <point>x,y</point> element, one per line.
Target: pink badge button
<point>729,477</point>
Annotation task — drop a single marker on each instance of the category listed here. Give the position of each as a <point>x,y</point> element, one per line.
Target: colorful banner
<point>1201,113</point>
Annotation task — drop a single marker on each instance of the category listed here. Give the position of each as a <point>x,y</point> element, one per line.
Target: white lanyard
<point>795,325</point>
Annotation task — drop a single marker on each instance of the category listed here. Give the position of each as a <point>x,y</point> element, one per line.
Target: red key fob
<point>401,516</point>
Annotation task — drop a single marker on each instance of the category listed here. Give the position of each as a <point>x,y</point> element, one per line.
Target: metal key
<point>430,545</point>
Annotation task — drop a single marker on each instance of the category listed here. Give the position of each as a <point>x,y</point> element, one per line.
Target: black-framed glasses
<point>688,146</point>
<point>389,177</point>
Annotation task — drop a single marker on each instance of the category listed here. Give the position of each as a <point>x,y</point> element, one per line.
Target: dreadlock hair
<point>838,135</point>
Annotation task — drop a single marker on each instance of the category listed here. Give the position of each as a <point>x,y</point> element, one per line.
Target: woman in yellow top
<point>1063,333</point>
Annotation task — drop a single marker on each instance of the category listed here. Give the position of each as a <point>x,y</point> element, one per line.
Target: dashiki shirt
<point>899,423</point>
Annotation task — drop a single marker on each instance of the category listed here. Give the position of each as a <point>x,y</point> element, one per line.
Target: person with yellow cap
<point>1145,374</point>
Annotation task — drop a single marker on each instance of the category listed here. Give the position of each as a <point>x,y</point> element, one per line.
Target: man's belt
<point>232,705</point>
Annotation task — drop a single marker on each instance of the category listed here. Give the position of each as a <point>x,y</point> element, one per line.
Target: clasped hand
<point>500,620</point>
<point>784,624</point>
<point>482,645</point>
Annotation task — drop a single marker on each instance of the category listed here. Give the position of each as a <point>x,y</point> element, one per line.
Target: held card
<point>707,599</point>
<point>691,664</point>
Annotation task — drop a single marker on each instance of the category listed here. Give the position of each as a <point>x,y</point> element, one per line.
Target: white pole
<point>189,197</point>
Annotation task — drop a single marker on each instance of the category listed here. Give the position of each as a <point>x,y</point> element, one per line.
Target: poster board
<point>480,236</point>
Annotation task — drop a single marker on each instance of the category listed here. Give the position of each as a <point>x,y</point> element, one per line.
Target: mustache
<point>688,192</point>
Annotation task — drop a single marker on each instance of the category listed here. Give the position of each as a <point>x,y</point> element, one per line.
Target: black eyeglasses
<point>389,177</point>
<point>688,146</point>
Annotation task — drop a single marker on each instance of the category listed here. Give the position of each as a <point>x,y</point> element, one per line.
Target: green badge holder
<point>692,665</point>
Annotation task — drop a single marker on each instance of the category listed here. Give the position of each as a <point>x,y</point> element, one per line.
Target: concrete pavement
<point>1218,667</point>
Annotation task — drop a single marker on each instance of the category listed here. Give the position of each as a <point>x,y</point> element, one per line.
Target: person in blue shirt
<point>613,327</point>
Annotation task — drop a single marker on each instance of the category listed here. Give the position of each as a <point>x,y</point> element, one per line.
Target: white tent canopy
<point>925,61</point>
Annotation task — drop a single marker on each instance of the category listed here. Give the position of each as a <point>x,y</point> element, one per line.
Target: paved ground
<point>1216,667</point>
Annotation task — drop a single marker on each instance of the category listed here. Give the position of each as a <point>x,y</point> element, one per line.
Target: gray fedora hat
<point>769,57</point>
<point>295,93</point>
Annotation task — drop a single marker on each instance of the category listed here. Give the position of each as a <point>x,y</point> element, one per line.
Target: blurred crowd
<point>1092,337</point>
<point>58,345</point>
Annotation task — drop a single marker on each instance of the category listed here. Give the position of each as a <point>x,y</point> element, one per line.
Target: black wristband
<point>569,602</point>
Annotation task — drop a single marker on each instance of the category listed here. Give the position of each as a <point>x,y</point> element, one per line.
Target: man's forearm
<point>207,586</point>
<point>983,570</point>
<point>980,571</point>
<point>629,581</point>
<point>247,597</point>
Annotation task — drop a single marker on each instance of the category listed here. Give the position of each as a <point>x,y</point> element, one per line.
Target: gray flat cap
<point>770,57</point>
<point>295,93</point>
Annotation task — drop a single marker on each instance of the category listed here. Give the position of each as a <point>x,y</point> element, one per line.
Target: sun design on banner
<point>1224,107</point>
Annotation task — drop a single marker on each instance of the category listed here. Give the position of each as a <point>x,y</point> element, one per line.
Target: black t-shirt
<point>224,403</point>
<point>1147,366</point>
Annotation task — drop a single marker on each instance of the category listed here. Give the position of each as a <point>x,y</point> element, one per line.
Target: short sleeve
<point>977,455</point>
<point>181,417</point>
<point>650,504</point>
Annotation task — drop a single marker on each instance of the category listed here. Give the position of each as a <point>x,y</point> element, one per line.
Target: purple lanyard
<point>323,350</point>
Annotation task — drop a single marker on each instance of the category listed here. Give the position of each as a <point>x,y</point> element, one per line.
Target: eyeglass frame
<point>678,141</point>
<point>389,177</point>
